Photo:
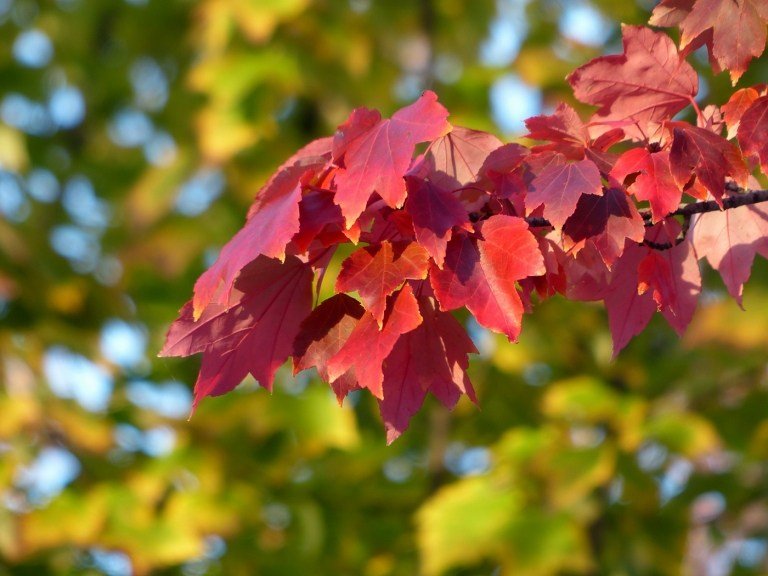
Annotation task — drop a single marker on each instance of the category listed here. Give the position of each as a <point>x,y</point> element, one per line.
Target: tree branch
<point>742,197</point>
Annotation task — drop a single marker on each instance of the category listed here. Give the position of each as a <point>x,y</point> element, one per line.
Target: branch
<point>745,198</point>
<point>742,198</point>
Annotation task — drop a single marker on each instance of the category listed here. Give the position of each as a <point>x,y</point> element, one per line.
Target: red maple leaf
<point>753,131</point>
<point>252,333</point>
<point>648,83</point>
<point>645,280</point>
<point>376,155</point>
<point>502,174</point>
<point>272,222</point>
<point>670,12</point>
<point>654,183</point>
<point>559,185</point>
<point>628,311</point>
<point>671,276</point>
<point>737,27</point>
<point>729,240</point>
<point>320,222</point>
<point>606,222</point>
<point>481,275</point>
<point>587,276</point>
<point>734,109</point>
<point>711,158</point>
<point>434,212</point>
<point>322,335</point>
<point>368,346</point>
<point>564,129</point>
<point>454,160</point>
<point>431,358</point>
<point>377,271</point>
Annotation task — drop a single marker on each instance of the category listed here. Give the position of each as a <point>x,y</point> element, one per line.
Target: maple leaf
<point>368,346</point>
<point>455,160</point>
<point>320,221</point>
<point>559,185</point>
<point>738,29</point>
<point>376,155</point>
<point>554,280</point>
<point>322,335</point>
<point>253,333</point>
<point>734,109</point>
<point>671,276</point>
<point>377,271</point>
<point>606,222</point>
<point>502,172</point>
<point>628,311</point>
<point>654,183</point>
<point>587,276</point>
<point>729,240</point>
<point>753,131</point>
<point>433,358</point>
<point>360,121</point>
<point>696,151</point>
<point>434,212</point>
<point>481,275</point>
<point>504,159</point>
<point>272,222</point>
<point>670,12</point>
<point>564,129</point>
<point>648,83</point>
<point>645,280</point>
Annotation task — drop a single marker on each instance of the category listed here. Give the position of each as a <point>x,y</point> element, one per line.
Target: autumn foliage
<point>619,208</point>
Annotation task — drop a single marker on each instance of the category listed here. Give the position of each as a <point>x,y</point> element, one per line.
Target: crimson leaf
<point>252,333</point>
<point>481,274</point>
<point>377,154</point>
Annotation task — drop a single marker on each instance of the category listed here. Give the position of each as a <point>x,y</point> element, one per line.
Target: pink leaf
<point>454,160</point>
<point>558,187</point>
<point>648,83</point>
<point>738,31</point>
<point>628,311</point>
<point>711,158</point>
<point>670,12</point>
<point>272,222</point>
<point>672,276</point>
<point>607,222</point>
<point>734,109</point>
<point>564,129</point>
<point>753,131</point>
<point>377,156</point>
<point>729,240</point>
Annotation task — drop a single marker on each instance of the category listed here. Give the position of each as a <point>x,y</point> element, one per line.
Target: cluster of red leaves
<point>473,223</point>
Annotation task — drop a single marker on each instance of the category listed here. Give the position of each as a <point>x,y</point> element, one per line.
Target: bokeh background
<point>133,136</point>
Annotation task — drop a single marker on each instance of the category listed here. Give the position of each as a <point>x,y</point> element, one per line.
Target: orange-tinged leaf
<point>377,271</point>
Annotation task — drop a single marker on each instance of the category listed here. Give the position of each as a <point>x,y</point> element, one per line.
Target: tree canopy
<point>134,135</point>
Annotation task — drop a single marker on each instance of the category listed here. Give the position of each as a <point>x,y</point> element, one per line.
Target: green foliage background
<point>655,463</point>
